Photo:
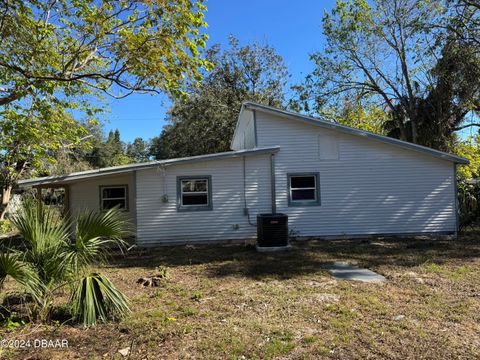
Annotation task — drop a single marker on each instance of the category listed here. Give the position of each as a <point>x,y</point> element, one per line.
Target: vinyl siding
<point>85,194</point>
<point>249,134</point>
<point>159,222</point>
<point>372,188</point>
<point>245,134</point>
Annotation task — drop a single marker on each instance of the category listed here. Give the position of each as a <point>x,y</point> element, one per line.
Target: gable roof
<point>348,130</point>
<point>61,179</point>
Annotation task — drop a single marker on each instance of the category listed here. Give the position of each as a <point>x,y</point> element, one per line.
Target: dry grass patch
<point>231,302</point>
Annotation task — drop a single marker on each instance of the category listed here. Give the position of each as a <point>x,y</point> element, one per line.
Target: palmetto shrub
<point>58,253</point>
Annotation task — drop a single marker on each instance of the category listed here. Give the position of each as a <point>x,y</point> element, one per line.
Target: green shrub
<point>97,299</point>
<point>52,261</point>
<point>468,206</point>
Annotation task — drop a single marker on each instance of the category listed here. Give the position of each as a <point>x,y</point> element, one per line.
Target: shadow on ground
<point>306,257</point>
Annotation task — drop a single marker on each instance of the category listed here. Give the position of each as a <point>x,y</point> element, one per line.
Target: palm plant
<point>54,259</point>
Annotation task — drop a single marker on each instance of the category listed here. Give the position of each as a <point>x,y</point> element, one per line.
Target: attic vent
<point>328,147</point>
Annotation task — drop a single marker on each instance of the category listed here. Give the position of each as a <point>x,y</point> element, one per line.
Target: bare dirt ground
<point>230,302</point>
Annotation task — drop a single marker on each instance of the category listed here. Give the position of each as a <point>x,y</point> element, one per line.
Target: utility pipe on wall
<point>246,211</point>
<point>272,184</point>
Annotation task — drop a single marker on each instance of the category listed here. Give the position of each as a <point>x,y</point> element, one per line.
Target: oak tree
<point>62,56</point>
<point>205,122</point>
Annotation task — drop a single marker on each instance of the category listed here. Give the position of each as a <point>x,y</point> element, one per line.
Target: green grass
<point>449,272</point>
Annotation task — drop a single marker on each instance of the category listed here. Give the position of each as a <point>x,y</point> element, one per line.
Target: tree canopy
<point>116,47</point>
<point>469,149</point>
<point>97,151</point>
<point>29,134</point>
<point>357,114</point>
<point>204,123</point>
<point>138,150</point>
<point>59,58</point>
<point>413,58</point>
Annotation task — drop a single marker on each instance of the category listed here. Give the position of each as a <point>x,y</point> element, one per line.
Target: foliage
<point>368,117</point>
<point>29,133</point>
<point>78,155</point>
<point>76,47</point>
<point>469,149</point>
<point>467,177</point>
<point>468,206</point>
<point>454,93</point>
<point>251,72</point>
<point>29,142</point>
<point>404,56</point>
<point>12,264</point>
<point>138,150</point>
<point>197,296</point>
<point>97,151</point>
<point>377,50</point>
<point>97,299</point>
<point>60,57</point>
<point>465,21</point>
<point>108,152</point>
<point>12,323</point>
<point>52,261</point>
<point>66,161</point>
<point>5,227</point>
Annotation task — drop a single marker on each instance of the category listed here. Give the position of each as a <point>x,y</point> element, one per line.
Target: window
<point>194,193</point>
<point>303,189</point>
<point>114,196</point>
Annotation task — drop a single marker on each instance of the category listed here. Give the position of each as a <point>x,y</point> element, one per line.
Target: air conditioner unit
<point>272,230</point>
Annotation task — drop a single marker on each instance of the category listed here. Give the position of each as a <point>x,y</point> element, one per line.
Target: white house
<point>331,180</point>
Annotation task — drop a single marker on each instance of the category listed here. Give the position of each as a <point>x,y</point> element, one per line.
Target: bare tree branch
<point>467,126</point>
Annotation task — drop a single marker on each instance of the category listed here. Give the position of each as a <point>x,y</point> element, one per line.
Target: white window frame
<point>181,193</point>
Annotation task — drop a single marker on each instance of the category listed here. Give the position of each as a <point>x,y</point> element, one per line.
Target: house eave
<point>65,179</point>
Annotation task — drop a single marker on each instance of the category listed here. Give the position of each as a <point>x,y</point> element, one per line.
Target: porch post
<point>66,201</point>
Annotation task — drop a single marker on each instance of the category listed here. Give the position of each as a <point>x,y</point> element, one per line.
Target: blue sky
<point>292,27</point>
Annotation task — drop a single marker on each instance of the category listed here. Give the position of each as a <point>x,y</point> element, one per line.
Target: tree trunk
<point>413,123</point>
<point>6,193</point>
<point>399,120</point>
<point>403,132</point>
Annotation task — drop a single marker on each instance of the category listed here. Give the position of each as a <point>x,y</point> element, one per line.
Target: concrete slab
<point>344,271</point>
<point>273,248</point>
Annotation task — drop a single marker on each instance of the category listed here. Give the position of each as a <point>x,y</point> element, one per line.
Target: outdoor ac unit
<point>272,230</point>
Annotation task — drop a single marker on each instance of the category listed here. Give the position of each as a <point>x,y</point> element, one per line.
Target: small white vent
<point>328,147</point>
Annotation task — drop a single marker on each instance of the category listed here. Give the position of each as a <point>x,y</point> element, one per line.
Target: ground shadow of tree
<point>305,258</point>
<point>406,252</point>
<point>225,260</point>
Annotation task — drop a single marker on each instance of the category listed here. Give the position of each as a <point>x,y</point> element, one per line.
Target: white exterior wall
<point>245,134</point>
<point>373,188</point>
<point>160,222</point>
<point>85,194</point>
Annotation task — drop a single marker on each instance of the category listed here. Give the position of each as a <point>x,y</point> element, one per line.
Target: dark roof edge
<point>60,179</point>
<point>357,132</point>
